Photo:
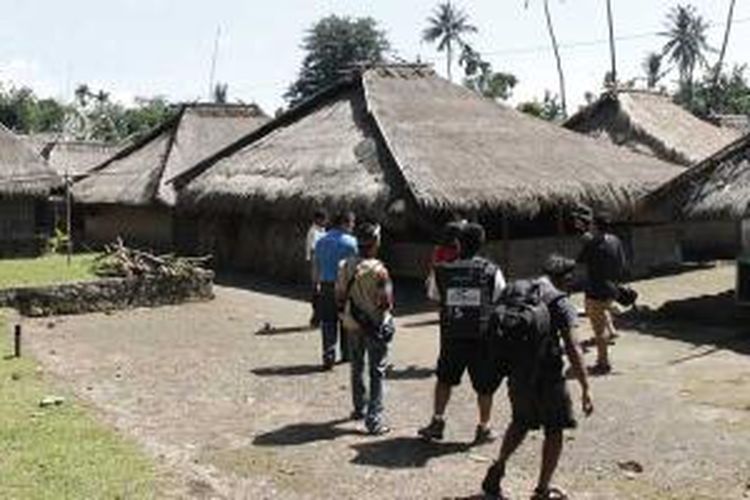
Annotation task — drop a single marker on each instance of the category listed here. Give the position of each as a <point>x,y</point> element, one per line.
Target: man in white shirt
<point>317,230</point>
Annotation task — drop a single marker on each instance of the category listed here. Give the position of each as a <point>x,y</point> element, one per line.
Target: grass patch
<point>61,451</point>
<point>46,270</point>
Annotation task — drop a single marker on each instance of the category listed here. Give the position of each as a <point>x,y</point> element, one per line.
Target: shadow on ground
<point>305,433</point>
<point>403,452</point>
<point>287,371</point>
<point>411,372</point>
<point>713,320</point>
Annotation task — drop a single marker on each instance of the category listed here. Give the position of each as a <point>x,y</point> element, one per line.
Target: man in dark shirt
<point>537,388</point>
<point>603,256</point>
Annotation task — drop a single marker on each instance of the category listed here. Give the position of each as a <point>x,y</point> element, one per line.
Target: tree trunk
<point>612,43</point>
<point>563,101</point>
<point>449,59</point>
<point>720,63</point>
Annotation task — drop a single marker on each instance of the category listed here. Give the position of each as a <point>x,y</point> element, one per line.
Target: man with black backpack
<point>468,288</point>
<point>532,321</point>
<point>603,256</point>
<point>365,294</point>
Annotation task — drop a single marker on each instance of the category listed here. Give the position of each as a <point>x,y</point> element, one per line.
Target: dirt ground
<point>237,414</point>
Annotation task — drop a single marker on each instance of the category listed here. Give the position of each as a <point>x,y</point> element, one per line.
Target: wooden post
<point>68,218</point>
<point>17,341</point>
<point>506,244</point>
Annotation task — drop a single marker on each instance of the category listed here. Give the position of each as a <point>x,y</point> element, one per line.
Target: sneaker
<point>378,430</point>
<point>434,431</point>
<point>484,435</point>
<point>600,369</point>
<point>491,482</point>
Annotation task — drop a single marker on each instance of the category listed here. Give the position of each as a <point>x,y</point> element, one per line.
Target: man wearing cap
<point>542,400</point>
<point>603,256</point>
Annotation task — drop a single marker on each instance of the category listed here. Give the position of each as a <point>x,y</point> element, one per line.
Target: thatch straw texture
<point>75,158</point>
<point>23,171</point>
<point>651,123</point>
<point>138,174</point>
<point>395,130</point>
<point>716,188</point>
<point>459,151</point>
<point>328,156</point>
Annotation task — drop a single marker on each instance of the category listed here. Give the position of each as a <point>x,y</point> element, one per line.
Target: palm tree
<point>447,26</point>
<point>686,45</point>
<point>652,68</point>
<point>723,52</point>
<point>556,49</point>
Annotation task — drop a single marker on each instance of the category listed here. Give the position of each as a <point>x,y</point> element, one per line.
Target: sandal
<point>551,493</point>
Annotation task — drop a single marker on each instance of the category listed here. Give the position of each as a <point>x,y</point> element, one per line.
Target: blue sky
<point>160,47</point>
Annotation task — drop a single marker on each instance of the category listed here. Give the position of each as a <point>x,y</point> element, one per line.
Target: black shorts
<point>486,368</point>
<point>544,404</point>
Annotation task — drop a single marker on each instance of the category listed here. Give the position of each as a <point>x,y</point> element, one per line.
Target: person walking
<point>338,244</point>
<point>468,287</point>
<point>603,257</point>
<point>316,231</point>
<point>536,385</point>
<point>365,293</point>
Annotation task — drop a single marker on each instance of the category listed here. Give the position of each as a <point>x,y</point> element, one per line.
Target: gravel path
<point>240,415</point>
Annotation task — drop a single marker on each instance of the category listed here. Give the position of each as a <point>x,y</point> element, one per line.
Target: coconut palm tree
<point>556,49</point>
<point>447,26</point>
<point>686,43</point>
<point>723,51</point>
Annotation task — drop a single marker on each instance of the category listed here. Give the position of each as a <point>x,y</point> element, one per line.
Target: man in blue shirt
<point>338,244</point>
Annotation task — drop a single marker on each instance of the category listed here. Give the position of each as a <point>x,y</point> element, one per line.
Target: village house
<point>127,195</point>
<point>651,123</point>
<point>406,147</point>
<point>25,185</point>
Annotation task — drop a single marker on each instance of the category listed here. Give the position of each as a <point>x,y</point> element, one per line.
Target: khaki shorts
<point>599,313</point>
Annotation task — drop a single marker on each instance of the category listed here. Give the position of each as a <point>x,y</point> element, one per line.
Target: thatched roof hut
<point>75,158</point>
<point>395,136</point>
<point>136,175</point>
<point>716,188</point>
<point>650,123</point>
<point>22,171</point>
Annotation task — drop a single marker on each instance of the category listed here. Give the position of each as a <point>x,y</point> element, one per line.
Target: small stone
<point>52,352</point>
<point>630,466</point>
<point>15,376</point>
<point>51,325</point>
<point>48,401</point>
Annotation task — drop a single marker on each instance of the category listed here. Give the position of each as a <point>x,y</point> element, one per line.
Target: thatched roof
<point>75,158</point>
<point>137,174</point>
<point>22,170</point>
<point>716,188</point>
<point>649,122</point>
<point>393,132</point>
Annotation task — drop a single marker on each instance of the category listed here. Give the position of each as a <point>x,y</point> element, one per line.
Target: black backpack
<point>466,287</point>
<point>522,322</point>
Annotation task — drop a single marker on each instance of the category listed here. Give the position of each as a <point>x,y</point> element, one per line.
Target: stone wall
<point>108,294</point>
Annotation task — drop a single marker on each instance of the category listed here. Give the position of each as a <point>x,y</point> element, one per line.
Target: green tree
<point>730,94</point>
<point>482,79</point>
<point>23,112</point>
<point>724,45</point>
<point>447,26</point>
<point>686,44</point>
<point>333,45</point>
<point>652,69</point>
<point>556,50</point>
<point>549,108</point>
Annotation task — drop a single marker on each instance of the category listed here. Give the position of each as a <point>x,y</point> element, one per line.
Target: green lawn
<point>45,270</point>
<point>61,452</point>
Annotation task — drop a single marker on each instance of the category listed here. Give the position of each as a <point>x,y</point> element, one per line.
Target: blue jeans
<point>377,358</point>
<point>330,333</point>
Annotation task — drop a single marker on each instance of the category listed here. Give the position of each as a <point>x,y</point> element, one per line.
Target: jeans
<point>332,331</point>
<point>377,357</point>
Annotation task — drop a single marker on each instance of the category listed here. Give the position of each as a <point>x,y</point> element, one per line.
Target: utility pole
<point>612,43</point>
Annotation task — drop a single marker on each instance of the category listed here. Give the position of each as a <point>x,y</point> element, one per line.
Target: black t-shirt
<point>604,258</point>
